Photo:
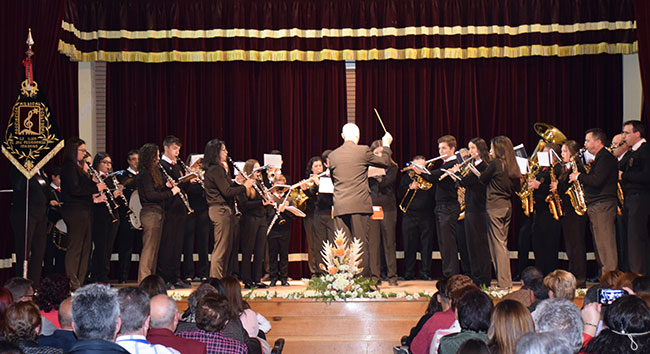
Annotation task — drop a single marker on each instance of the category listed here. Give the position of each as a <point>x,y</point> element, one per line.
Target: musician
<point>461,240</point>
<point>54,261</point>
<point>382,232</point>
<point>314,167</point>
<point>323,222</point>
<point>573,225</point>
<point>475,215</point>
<point>253,230</point>
<point>278,239</point>
<point>447,207</point>
<point>105,223</point>
<point>635,181</point>
<point>153,191</point>
<point>126,233</point>
<point>620,150</point>
<point>352,203</point>
<point>77,190</point>
<point>546,230</point>
<point>417,223</point>
<point>600,193</point>
<point>39,198</point>
<point>171,243</point>
<point>502,179</point>
<point>197,226</point>
<point>220,193</point>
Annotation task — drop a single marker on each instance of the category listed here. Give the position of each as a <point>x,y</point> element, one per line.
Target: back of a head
<point>543,343</point>
<point>134,309</point>
<point>609,278</point>
<point>539,289</point>
<point>509,321</point>
<point>531,273</point>
<point>592,294</point>
<point>153,285</point>
<point>474,309</point>
<point>22,320</point>
<point>52,290</point>
<point>351,132</point>
<point>95,310</point>
<point>18,287</point>
<point>212,313</point>
<point>65,313</point>
<point>561,283</point>
<point>233,293</point>
<point>626,280</point>
<point>163,311</point>
<point>641,284</point>
<point>196,295</point>
<point>456,283</point>
<point>560,316</point>
<point>473,346</point>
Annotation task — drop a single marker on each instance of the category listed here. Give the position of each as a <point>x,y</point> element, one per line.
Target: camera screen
<point>607,296</point>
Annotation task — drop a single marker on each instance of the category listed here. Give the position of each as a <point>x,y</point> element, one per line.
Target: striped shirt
<point>137,344</point>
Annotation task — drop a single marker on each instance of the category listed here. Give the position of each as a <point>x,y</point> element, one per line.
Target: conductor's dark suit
<point>352,203</point>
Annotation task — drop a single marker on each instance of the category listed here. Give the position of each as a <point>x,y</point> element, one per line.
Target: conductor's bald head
<point>350,132</point>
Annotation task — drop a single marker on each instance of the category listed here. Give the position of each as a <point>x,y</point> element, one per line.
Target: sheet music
<point>326,185</point>
<point>523,164</point>
<point>273,160</point>
<point>376,171</point>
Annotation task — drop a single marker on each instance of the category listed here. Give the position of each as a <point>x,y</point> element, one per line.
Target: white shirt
<point>131,170</point>
<point>636,146</point>
<point>140,345</point>
<point>165,158</point>
<point>453,157</point>
<point>435,342</point>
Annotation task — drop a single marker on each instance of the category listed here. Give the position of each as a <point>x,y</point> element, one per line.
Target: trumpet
<point>422,184</point>
<point>199,178</point>
<point>109,202</point>
<point>171,181</point>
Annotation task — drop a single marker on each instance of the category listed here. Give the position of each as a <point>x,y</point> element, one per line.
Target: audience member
<point>473,346</point>
<point>641,284</point>
<point>561,285</point>
<point>153,285</point>
<point>23,323</point>
<point>163,323</point>
<point>626,280</point>
<point>560,316</point>
<point>438,303</point>
<point>21,290</point>
<point>134,316</point>
<point>61,338</point>
<point>609,279</point>
<point>212,313</point>
<point>440,320</point>
<point>52,291</point>
<point>510,320</point>
<point>5,302</point>
<point>96,319</point>
<point>540,293</point>
<point>627,331</point>
<point>524,294</point>
<point>543,343</point>
<point>247,316</point>
<point>473,310</point>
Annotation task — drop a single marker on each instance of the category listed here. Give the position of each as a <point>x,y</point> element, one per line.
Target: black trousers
<point>574,227</point>
<point>546,239</point>
<point>128,239</point>
<point>621,243</point>
<point>104,234</point>
<point>252,243</point>
<point>79,220</point>
<point>279,255</point>
<point>197,233</point>
<point>54,259</point>
<point>357,226</point>
<point>417,234</point>
<point>446,221</point>
<point>478,248</point>
<point>36,239</point>
<point>382,233</point>
<point>323,230</point>
<point>637,210</point>
<point>524,242</point>
<point>171,243</point>
<point>461,244</point>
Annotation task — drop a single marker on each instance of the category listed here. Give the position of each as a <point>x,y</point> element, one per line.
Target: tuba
<point>548,134</point>
<point>575,192</point>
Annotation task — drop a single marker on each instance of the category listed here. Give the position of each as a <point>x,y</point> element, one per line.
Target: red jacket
<point>167,338</point>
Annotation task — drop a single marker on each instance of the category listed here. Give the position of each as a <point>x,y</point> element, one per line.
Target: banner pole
<point>26,227</point>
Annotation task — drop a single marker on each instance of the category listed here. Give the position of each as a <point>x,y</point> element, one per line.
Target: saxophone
<point>461,201</point>
<point>575,192</point>
<point>526,194</point>
<point>619,191</point>
<point>553,199</point>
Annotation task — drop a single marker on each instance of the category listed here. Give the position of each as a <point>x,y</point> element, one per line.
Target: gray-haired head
<point>134,309</point>
<point>560,316</point>
<point>351,132</point>
<point>543,343</point>
<point>95,312</point>
<point>163,312</point>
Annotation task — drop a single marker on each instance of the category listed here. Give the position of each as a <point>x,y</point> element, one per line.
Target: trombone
<point>421,183</point>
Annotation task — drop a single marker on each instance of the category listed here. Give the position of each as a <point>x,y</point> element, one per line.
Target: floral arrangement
<point>496,293</point>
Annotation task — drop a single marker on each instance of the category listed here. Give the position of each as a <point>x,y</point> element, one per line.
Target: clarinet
<point>181,193</point>
<point>107,193</point>
<point>263,195</point>
<point>122,197</point>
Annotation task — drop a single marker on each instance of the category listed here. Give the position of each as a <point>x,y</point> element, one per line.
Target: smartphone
<point>607,296</point>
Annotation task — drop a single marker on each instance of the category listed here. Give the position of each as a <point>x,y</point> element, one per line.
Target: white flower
<point>409,297</point>
<point>177,297</point>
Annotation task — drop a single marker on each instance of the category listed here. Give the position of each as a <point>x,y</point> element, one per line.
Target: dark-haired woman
<point>105,224</point>
<point>219,193</point>
<point>476,214</point>
<point>77,190</point>
<point>502,178</point>
<point>197,227</point>
<point>153,192</point>
<point>574,226</point>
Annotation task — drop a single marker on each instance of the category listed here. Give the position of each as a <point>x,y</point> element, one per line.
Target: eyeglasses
<point>82,150</point>
<point>107,162</point>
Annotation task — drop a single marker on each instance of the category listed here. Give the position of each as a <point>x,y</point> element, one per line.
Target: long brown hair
<point>233,293</point>
<point>504,151</point>
<point>249,166</point>
<point>510,320</point>
<point>147,162</point>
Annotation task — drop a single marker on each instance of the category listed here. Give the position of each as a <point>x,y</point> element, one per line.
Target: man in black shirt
<point>127,233</point>
<point>600,193</point>
<point>635,180</point>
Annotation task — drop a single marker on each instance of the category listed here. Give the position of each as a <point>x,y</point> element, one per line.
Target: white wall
<point>632,91</point>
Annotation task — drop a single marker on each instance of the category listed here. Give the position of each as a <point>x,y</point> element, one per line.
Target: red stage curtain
<point>297,108</point>
<point>419,101</point>
<point>54,73</point>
